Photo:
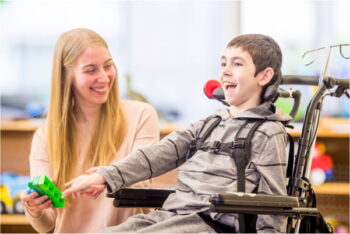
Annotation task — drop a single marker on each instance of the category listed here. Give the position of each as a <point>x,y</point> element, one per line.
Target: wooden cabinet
<point>332,197</point>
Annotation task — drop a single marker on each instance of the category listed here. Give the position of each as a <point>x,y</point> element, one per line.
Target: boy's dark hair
<point>264,51</point>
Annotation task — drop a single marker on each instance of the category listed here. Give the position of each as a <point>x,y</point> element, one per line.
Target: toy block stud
<point>44,186</point>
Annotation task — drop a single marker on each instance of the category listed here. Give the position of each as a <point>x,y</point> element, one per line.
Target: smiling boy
<point>250,72</point>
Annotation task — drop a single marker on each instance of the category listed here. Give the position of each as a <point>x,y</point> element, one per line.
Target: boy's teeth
<point>231,85</point>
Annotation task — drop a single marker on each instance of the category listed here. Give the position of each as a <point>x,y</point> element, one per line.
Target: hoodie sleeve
<point>271,165</point>
<point>150,161</point>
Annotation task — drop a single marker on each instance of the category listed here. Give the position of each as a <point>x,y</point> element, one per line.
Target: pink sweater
<point>84,214</point>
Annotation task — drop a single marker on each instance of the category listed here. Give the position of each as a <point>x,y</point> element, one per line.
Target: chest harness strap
<point>241,154</point>
<point>239,150</point>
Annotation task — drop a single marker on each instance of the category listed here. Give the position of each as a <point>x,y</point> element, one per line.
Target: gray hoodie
<point>207,172</point>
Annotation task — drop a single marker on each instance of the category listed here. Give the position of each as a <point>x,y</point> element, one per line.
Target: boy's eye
<point>223,64</point>
<point>238,64</point>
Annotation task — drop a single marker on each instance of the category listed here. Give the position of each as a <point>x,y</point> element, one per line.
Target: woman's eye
<point>90,71</point>
<point>238,64</point>
<point>223,64</point>
<point>108,65</point>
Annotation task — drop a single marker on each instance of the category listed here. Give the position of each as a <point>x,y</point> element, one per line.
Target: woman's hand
<point>34,204</point>
<point>91,185</point>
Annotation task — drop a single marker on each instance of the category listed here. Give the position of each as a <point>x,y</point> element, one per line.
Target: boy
<point>250,66</point>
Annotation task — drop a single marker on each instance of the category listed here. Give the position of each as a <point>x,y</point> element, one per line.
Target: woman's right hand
<point>34,204</point>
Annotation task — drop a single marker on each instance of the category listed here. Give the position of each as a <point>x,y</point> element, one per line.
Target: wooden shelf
<point>332,188</point>
<point>329,127</point>
<point>13,219</point>
<point>167,127</point>
<point>21,125</point>
<point>323,134</point>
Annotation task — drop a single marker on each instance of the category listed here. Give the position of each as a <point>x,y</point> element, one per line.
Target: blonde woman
<point>87,126</point>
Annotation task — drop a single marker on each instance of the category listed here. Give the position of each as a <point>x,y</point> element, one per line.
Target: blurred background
<point>167,49</point>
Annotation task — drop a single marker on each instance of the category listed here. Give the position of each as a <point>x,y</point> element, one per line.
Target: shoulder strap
<point>208,126</point>
<point>242,150</point>
<point>212,122</point>
<point>241,154</point>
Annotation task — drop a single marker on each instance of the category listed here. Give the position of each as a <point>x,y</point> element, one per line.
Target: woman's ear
<point>265,76</point>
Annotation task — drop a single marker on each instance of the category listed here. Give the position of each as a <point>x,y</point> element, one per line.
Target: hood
<point>267,110</point>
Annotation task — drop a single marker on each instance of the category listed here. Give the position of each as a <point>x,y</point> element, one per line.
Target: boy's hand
<point>96,190</point>
<point>92,185</point>
<point>91,170</point>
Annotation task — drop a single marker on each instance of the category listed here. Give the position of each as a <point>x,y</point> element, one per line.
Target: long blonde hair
<point>110,129</point>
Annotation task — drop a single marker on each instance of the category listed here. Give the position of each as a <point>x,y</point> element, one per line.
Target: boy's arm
<point>271,166</point>
<point>142,164</point>
<point>150,161</point>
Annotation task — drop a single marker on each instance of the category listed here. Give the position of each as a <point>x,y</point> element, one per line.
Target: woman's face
<point>93,76</point>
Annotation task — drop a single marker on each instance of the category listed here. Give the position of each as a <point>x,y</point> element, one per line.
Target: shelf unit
<point>332,188</point>
<point>15,223</point>
<point>14,219</point>
<point>334,133</point>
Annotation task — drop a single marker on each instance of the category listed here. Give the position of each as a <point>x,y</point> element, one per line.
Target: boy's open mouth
<point>230,86</point>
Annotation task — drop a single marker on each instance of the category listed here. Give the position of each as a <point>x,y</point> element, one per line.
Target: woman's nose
<point>103,77</point>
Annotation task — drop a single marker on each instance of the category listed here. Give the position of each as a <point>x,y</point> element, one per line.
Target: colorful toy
<point>322,165</point>
<point>44,186</point>
<point>14,184</point>
<point>6,202</point>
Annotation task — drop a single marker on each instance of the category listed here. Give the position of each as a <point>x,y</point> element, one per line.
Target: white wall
<point>170,48</point>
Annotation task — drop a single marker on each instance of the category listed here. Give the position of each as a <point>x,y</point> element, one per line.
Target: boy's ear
<point>265,76</point>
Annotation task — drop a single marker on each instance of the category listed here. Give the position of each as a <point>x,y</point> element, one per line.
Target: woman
<point>87,126</point>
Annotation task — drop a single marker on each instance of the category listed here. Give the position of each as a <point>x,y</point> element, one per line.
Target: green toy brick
<point>44,186</point>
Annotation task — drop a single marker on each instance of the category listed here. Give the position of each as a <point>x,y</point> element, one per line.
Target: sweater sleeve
<point>271,166</point>
<point>150,161</point>
<point>39,165</point>
<point>148,129</point>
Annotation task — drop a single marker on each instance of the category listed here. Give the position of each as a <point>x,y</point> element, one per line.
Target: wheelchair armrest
<point>138,197</point>
<point>251,203</point>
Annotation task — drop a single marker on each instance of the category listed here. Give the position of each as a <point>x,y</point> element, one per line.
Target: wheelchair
<point>300,203</point>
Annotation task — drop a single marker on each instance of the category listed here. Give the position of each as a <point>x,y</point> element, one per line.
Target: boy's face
<point>241,88</point>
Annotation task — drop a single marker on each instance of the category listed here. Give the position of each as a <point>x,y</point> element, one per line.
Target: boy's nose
<point>227,71</point>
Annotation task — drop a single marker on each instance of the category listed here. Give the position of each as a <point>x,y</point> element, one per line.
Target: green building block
<point>44,186</point>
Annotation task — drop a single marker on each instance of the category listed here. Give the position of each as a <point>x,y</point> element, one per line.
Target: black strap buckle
<point>238,144</point>
<point>302,184</point>
<point>193,146</point>
<point>216,146</point>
